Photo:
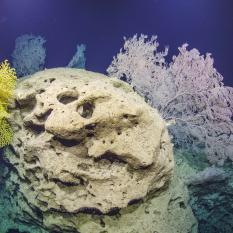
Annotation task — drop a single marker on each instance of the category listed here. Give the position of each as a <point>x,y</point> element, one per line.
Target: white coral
<point>29,54</point>
<point>189,91</point>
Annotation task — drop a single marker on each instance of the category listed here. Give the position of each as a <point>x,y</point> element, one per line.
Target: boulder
<point>89,155</point>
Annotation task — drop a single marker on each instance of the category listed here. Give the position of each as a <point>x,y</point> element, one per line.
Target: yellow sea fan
<point>3,112</point>
<point>7,82</point>
<point>6,133</point>
<point>7,85</point>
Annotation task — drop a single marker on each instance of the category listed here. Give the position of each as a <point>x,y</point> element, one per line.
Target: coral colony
<point>189,93</point>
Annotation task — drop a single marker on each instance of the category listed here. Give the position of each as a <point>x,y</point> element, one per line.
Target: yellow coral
<point>7,85</point>
<point>5,133</point>
<point>3,112</point>
<point>7,82</point>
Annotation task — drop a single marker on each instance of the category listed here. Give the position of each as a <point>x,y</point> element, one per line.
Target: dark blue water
<point>101,25</point>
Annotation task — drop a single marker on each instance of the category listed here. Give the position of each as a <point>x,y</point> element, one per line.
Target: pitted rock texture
<point>166,212</point>
<point>86,143</point>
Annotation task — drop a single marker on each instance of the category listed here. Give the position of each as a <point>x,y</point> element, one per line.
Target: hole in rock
<point>182,205</point>
<point>102,223</point>
<point>19,142</point>
<point>90,126</point>
<point>38,129</point>
<point>43,203</point>
<point>111,157</point>
<point>135,201</point>
<point>67,142</point>
<point>67,97</point>
<point>41,91</point>
<point>52,80</point>
<point>119,133</point>
<point>131,118</point>
<point>86,110</point>
<point>87,210</point>
<point>44,116</point>
<point>27,104</point>
<point>113,211</point>
<point>33,160</point>
<point>63,184</point>
<point>90,135</point>
<point>45,175</point>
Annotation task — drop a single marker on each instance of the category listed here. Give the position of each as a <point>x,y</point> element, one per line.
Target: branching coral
<point>78,60</point>
<point>29,54</point>
<point>189,92</point>
<point>7,82</point>
<point>5,133</point>
<point>7,85</point>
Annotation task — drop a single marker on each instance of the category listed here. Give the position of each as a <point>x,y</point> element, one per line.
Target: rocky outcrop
<point>165,212</point>
<point>86,150</point>
<point>84,141</point>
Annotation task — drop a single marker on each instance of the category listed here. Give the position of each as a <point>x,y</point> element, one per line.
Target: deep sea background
<point>101,24</point>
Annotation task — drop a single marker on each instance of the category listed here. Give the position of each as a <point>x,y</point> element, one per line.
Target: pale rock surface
<point>86,141</point>
<point>166,212</point>
<point>88,144</point>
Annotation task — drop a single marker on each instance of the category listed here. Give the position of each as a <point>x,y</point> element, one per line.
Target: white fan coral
<point>188,91</point>
<point>29,54</point>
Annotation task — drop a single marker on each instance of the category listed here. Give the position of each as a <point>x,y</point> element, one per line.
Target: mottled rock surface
<point>84,141</point>
<point>166,212</point>
<point>210,198</point>
<point>89,155</point>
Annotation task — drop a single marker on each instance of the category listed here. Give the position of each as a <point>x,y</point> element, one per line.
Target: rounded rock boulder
<point>86,143</point>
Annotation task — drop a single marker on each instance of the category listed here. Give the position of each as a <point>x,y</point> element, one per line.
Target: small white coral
<point>29,54</point>
<point>78,60</point>
<point>208,175</point>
